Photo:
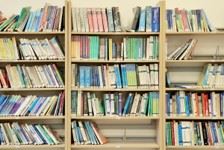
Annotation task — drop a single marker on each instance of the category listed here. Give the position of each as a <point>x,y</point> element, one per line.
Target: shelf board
<point>196,147</point>
<point>195,89</point>
<point>31,117</point>
<point>193,118</point>
<point>31,33</point>
<point>31,146</point>
<point>113,61</point>
<point>111,89</point>
<point>32,61</point>
<point>30,89</point>
<point>195,61</point>
<point>118,145</point>
<point>115,33</point>
<point>115,117</point>
<point>194,33</point>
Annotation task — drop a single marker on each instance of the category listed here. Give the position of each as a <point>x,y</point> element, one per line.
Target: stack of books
<point>146,19</point>
<point>38,76</point>
<point>86,132</point>
<point>115,104</point>
<point>181,20</point>
<point>49,18</point>
<point>32,105</point>
<point>27,134</point>
<point>184,51</point>
<point>195,104</point>
<point>104,48</point>
<point>116,76</point>
<point>30,49</point>
<point>212,76</point>
<point>96,19</point>
<point>187,133</point>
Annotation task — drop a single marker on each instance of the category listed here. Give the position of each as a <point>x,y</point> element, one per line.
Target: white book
<point>74,20</point>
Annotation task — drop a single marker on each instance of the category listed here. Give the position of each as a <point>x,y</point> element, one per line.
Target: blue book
<point>169,14</point>
<point>141,26</point>
<point>79,133</point>
<point>118,76</point>
<point>155,19</point>
<point>214,132</point>
<point>96,140</point>
<point>124,76</point>
<point>187,104</point>
<point>178,104</point>
<point>82,74</point>
<point>74,102</point>
<point>76,131</point>
<point>27,27</point>
<point>89,132</point>
<point>39,134</point>
<point>180,136</point>
<point>168,104</point>
<point>148,11</point>
<point>34,102</point>
<point>110,20</point>
<point>127,103</point>
<point>38,15</point>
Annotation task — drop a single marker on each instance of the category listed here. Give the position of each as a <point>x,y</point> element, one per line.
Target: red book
<point>105,22</point>
<point>197,104</point>
<point>90,19</point>
<point>87,46</point>
<point>99,19</point>
<point>172,133</point>
<point>62,100</point>
<point>203,104</point>
<point>95,24</point>
<point>184,20</point>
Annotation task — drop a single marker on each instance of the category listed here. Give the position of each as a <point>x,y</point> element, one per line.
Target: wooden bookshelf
<point>4,118</point>
<point>32,33</point>
<point>196,147</point>
<point>22,147</point>
<point>118,145</point>
<point>115,61</point>
<point>116,33</point>
<point>194,33</point>
<point>117,90</point>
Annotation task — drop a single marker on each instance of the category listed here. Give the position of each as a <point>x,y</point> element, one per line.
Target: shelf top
<point>196,147</point>
<point>31,61</point>
<point>31,117</point>
<point>115,117</point>
<point>113,61</point>
<point>193,118</point>
<point>195,89</point>
<point>115,33</point>
<point>117,90</point>
<point>30,89</point>
<point>30,33</point>
<point>119,145</point>
<point>195,61</point>
<point>31,146</point>
<point>195,33</point>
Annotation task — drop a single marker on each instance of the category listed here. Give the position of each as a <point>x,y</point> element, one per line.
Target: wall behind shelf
<point>213,8</point>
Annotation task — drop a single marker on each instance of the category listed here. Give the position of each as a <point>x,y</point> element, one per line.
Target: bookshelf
<point>122,131</point>
<point>188,71</point>
<point>56,122</point>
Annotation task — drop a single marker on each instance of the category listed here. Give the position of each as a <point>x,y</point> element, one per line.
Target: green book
<point>23,18</point>
<point>7,22</point>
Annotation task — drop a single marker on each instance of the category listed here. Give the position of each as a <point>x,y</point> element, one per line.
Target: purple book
<point>16,106</point>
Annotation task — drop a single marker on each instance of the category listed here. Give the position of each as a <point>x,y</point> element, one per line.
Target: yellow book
<point>110,48</point>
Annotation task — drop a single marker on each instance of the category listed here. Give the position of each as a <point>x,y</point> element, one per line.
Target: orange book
<point>104,18</point>
<point>43,20</point>
<point>95,24</point>
<point>99,19</point>
<point>99,135</point>
<point>90,19</point>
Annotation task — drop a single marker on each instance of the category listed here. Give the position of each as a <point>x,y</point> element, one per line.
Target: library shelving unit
<point>132,132</point>
<point>57,123</point>
<point>184,71</point>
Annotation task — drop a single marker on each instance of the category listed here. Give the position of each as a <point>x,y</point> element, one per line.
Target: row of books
<point>115,104</point>
<point>32,105</point>
<point>96,19</point>
<point>87,132</point>
<point>146,19</point>
<point>116,76</point>
<point>24,76</point>
<point>27,134</point>
<point>30,49</point>
<point>212,76</point>
<point>184,51</point>
<point>195,104</point>
<point>187,133</point>
<point>181,20</point>
<point>96,47</point>
<point>47,19</point>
